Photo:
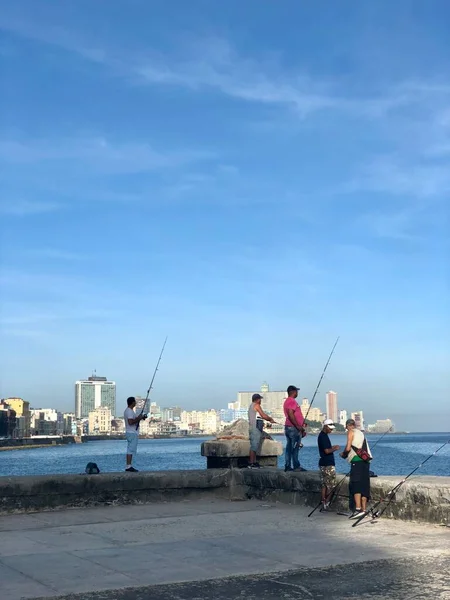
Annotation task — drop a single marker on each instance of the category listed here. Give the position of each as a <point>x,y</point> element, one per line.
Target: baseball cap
<point>329,423</point>
<point>292,388</point>
<point>256,397</point>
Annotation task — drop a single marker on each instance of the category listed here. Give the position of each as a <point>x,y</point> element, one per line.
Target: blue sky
<point>250,178</point>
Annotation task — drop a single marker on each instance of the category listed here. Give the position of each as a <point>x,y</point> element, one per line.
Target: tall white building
<point>332,406</point>
<point>342,417</point>
<point>92,393</point>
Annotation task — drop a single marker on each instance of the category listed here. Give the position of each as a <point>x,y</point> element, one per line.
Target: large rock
<point>236,431</point>
<point>231,448</point>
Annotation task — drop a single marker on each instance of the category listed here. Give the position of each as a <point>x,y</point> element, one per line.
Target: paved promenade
<point>171,551</point>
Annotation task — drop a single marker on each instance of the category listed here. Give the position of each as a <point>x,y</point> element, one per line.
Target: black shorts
<point>360,478</point>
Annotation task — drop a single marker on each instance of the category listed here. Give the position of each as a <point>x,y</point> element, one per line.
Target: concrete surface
<point>269,551</point>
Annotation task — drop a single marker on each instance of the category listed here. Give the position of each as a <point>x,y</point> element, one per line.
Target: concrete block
<point>231,448</point>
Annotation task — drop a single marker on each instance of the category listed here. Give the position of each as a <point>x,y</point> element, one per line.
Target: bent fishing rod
<point>320,380</point>
<point>151,382</point>
<point>337,487</point>
<point>376,514</point>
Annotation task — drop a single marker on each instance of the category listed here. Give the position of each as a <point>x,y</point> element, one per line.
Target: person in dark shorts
<point>256,418</point>
<point>326,462</point>
<point>359,468</point>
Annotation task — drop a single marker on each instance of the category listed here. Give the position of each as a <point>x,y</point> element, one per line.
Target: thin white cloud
<point>97,155</point>
<point>24,208</point>
<point>213,64</point>
<point>403,178</point>
<point>55,36</point>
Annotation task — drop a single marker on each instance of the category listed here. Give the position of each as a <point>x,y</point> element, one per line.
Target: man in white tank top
<point>357,453</point>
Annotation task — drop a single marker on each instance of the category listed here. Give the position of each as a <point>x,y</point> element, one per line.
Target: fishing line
<point>375,513</point>
<point>300,445</point>
<point>335,490</point>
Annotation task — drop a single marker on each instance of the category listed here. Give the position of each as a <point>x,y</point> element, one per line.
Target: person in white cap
<point>326,462</point>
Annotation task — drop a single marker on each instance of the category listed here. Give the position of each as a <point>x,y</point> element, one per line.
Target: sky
<point>251,179</point>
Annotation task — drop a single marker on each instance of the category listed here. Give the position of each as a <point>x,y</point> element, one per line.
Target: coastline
<point>27,447</point>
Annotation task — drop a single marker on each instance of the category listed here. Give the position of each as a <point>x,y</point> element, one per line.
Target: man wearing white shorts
<point>131,431</point>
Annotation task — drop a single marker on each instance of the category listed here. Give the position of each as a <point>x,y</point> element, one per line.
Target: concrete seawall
<point>33,442</point>
<point>424,499</point>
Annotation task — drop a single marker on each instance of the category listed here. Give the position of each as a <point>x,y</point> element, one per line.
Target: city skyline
<point>18,420</point>
<point>239,407</point>
<point>250,191</point>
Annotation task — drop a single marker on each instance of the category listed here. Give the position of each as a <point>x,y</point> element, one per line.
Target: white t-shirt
<point>130,414</point>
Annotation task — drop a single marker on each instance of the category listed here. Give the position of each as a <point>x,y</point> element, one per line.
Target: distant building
<point>93,392</point>
<point>226,415</point>
<point>342,417</point>
<point>171,413</point>
<point>358,417</point>
<point>177,410</point>
<point>382,426</point>
<point>234,405</point>
<point>332,406</point>
<point>70,424</point>
<point>22,409</point>
<point>148,427</point>
<point>7,421</point>
<point>272,401</point>
<point>203,421</point>
<point>46,421</point>
<point>117,425</point>
<point>314,413</point>
<point>155,411</point>
<point>100,421</point>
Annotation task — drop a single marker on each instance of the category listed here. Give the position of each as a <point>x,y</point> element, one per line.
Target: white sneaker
<point>357,514</point>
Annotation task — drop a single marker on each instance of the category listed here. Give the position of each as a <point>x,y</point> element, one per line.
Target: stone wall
<point>422,498</point>
<point>18,494</point>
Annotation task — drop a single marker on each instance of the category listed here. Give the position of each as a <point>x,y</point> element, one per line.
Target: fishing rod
<point>320,380</point>
<point>151,382</point>
<point>300,445</point>
<point>337,487</point>
<point>376,514</point>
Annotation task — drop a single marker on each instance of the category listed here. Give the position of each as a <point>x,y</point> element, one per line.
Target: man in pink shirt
<point>294,429</point>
